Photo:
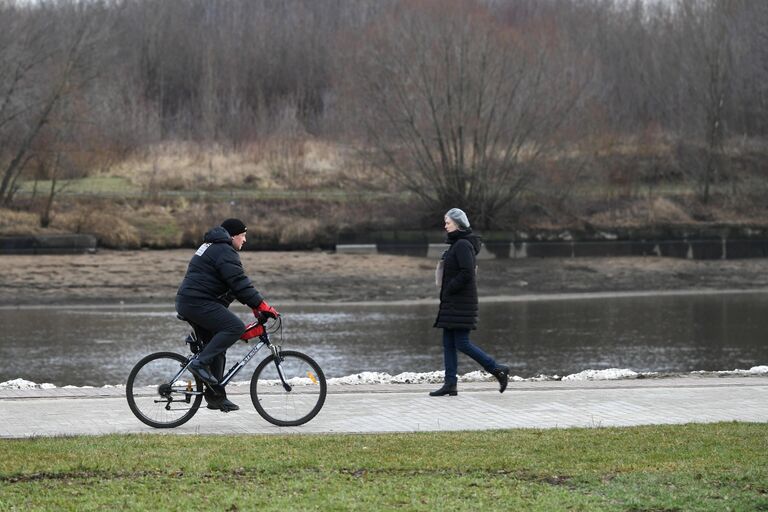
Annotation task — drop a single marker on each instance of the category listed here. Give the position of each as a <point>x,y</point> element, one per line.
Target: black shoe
<point>502,375</point>
<point>223,406</point>
<point>214,405</point>
<point>212,398</point>
<point>227,406</point>
<point>201,371</point>
<point>219,401</point>
<point>447,389</point>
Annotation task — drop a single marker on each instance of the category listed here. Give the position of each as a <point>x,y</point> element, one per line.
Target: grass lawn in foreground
<point>683,467</point>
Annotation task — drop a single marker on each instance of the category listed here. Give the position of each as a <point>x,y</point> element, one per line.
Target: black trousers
<point>223,325</point>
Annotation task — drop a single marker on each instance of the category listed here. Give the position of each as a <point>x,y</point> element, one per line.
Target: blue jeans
<point>458,339</point>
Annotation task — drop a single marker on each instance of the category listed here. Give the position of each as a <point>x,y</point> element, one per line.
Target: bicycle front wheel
<point>159,395</point>
<point>295,402</point>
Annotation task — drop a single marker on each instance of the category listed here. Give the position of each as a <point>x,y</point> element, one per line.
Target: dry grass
<point>107,222</point>
<point>642,211</point>
<point>184,166</point>
<point>18,223</point>
<point>275,163</point>
<point>301,192</point>
<point>116,224</point>
<point>296,223</point>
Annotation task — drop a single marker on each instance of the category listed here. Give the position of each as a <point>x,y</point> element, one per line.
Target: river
<point>97,346</point>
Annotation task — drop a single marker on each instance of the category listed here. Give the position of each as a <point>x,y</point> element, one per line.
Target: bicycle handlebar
<point>259,328</point>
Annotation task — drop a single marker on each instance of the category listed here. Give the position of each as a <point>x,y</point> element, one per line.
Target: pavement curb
<point>242,388</point>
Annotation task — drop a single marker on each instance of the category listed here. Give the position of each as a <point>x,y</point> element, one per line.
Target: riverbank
<point>316,276</point>
<point>153,276</point>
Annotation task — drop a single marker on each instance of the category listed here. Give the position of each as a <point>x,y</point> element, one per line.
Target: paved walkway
<point>408,408</point>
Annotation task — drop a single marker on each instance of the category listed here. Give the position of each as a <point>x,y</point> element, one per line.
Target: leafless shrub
<point>110,227</point>
<point>457,107</point>
<point>18,223</point>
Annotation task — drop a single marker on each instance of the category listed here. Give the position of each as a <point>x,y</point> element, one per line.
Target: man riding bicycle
<point>215,278</point>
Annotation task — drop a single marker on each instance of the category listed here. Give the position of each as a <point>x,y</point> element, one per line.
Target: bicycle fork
<point>278,359</point>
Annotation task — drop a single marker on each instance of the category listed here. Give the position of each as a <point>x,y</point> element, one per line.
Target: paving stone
<point>408,408</point>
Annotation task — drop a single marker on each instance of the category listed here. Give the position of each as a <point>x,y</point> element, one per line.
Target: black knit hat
<point>234,226</point>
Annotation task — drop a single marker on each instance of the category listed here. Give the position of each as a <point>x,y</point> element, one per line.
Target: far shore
<point>416,302</point>
<point>145,277</point>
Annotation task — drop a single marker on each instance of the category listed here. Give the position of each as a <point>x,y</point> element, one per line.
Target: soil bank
<point>152,276</point>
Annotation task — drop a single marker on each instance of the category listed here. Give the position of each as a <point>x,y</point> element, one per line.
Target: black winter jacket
<point>458,293</point>
<point>215,273</point>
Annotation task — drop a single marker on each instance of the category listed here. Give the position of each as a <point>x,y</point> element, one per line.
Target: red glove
<point>252,330</point>
<point>266,310</point>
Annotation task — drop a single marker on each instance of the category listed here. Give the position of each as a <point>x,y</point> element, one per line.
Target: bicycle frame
<point>263,341</point>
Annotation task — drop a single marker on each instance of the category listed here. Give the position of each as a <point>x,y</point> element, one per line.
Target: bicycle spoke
<point>295,404</point>
<point>157,402</point>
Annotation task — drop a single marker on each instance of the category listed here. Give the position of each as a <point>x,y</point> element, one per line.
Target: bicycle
<point>287,388</point>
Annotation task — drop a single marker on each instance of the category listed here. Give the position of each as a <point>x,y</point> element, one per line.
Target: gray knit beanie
<point>459,217</point>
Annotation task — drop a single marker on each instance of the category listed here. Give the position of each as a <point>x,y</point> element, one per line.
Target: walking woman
<point>458,303</point>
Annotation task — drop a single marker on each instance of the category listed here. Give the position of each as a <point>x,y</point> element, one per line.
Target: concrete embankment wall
<point>720,243</point>
<point>723,243</point>
<point>48,244</point>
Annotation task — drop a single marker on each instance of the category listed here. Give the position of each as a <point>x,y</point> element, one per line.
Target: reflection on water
<point>660,334</point>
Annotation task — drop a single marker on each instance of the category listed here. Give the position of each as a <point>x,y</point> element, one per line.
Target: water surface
<point>670,334</point>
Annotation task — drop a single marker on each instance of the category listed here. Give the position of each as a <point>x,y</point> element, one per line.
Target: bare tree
<point>456,106</point>
<point>53,74</point>
<point>750,70</point>
<point>706,60</point>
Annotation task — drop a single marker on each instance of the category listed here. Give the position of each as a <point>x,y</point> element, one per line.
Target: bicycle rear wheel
<point>158,400</point>
<point>295,404</point>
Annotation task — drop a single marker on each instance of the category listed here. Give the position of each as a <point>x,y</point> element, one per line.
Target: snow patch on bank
<point>436,377</point>
<point>25,384</point>
<point>755,370</point>
<point>609,374</point>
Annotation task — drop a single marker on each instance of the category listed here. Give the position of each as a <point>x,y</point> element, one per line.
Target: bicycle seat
<point>190,322</point>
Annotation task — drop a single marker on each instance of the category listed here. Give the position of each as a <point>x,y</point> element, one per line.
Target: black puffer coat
<point>215,273</point>
<point>458,293</point>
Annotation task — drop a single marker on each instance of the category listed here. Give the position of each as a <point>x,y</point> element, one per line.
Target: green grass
<point>688,467</point>
<point>112,186</point>
<point>107,185</point>
<point>122,187</point>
